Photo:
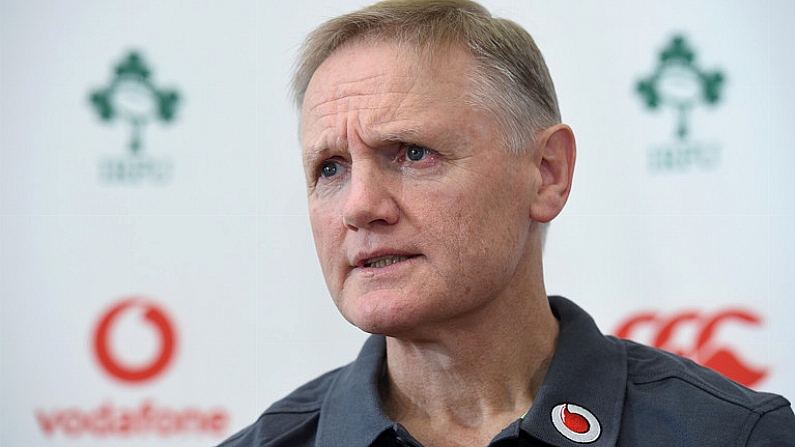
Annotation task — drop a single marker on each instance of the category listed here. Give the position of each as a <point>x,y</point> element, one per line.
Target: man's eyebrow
<point>313,154</point>
<point>402,134</point>
<point>405,134</point>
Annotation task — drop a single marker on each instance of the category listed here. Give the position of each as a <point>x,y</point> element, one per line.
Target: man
<point>434,157</point>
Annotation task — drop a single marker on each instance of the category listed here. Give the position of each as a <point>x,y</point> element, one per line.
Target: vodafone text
<point>109,420</point>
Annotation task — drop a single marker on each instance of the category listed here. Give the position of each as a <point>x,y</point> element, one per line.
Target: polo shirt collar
<point>351,414</point>
<point>586,381</point>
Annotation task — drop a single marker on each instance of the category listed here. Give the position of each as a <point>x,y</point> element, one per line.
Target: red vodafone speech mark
<point>156,317</point>
<point>703,350</point>
<point>575,422</point>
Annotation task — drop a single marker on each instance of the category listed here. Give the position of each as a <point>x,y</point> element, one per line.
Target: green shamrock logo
<point>132,97</point>
<point>679,83</point>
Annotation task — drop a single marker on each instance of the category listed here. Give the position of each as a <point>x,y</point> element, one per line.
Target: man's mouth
<point>383,261</point>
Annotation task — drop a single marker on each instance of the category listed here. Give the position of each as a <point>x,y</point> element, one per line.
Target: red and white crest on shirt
<point>576,423</point>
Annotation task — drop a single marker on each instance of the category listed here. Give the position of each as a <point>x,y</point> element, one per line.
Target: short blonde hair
<point>511,79</point>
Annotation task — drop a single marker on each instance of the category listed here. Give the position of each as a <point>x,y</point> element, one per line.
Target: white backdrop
<point>205,224</point>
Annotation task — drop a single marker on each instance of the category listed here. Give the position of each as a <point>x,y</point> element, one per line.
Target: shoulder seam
<point>765,402</point>
<point>297,411</point>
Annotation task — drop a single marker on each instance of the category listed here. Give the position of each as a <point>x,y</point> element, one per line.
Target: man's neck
<point>463,389</point>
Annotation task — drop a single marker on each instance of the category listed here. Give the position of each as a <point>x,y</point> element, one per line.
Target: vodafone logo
<point>151,315</point>
<point>139,324</point>
<point>576,423</point>
<point>699,330</point>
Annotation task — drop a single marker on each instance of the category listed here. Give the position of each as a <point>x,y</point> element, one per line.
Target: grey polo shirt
<point>599,391</point>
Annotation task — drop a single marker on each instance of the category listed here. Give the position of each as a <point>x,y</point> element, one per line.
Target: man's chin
<point>380,313</point>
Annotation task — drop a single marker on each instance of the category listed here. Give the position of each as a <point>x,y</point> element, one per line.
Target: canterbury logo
<point>666,333</point>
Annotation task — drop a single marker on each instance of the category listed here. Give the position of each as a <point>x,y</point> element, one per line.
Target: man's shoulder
<point>307,398</point>
<point>655,368</point>
<point>290,421</point>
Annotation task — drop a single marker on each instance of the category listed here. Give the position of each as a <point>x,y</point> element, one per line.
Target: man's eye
<point>416,153</point>
<point>329,169</point>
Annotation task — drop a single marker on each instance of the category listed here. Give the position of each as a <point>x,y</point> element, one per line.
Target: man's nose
<point>371,197</point>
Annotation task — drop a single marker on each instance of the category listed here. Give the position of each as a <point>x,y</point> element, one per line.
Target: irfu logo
<point>132,97</point>
<point>678,83</point>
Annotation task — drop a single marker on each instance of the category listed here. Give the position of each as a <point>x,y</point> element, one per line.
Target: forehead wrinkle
<point>369,102</point>
<point>359,87</point>
<point>383,119</point>
<point>374,107</point>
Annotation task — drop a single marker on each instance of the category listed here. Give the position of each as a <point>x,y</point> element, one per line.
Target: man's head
<point>426,216</point>
<point>510,78</point>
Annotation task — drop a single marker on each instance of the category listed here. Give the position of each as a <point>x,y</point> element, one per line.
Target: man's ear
<point>557,151</point>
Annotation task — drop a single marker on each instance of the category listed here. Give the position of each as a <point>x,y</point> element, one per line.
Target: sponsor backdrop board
<point>158,282</point>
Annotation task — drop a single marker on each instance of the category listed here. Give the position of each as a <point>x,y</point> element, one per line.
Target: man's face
<point>420,215</point>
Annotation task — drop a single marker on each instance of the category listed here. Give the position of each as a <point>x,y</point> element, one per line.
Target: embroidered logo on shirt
<point>576,423</point>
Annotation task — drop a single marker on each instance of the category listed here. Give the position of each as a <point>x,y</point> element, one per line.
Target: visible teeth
<point>384,261</point>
